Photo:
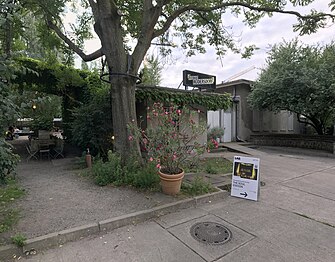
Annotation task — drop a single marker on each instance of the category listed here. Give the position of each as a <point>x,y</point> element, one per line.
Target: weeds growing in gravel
<point>19,240</point>
<point>211,166</point>
<point>197,187</point>
<point>8,194</point>
<point>134,174</point>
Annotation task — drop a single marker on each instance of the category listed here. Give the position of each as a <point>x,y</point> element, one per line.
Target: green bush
<point>145,177</point>
<point>92,124</point>
<point>133,174</point>
<point>19,240</point>
<point>214,133</point>
<point>198,187</point>
<point>211,169</point>
<point>108,172</point>
<point>8,160</point>
<point>8,194</point>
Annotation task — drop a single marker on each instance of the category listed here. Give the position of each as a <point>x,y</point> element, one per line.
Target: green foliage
<point>19,240</point>
<point>7,108</point>
<point>300,79</point>
<point>8,194</point>
<point>214,133</point>
<point>197,187</point>
<point>132,174</point>
<point>144,177</point>
<point>180,97</point>
<point>152,72</point>
<point>108,172</point>
<point>212,166</point>
<point>8,160</point>
<point>170,137</point>
<point>92,125</point>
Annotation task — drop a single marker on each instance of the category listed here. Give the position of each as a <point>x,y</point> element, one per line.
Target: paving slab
<point>273,224</point>
<point>264,251</point>
<point>297,201</point>
<point>147,242</point>
<point>180,217</point>
<point>320,183</point>
<point>210,252</point>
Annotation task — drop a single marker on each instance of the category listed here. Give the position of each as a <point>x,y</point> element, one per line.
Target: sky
<point>267,32</point>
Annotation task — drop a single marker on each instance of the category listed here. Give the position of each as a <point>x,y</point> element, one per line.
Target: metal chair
<point>59,147</point>
<point>44,148</point>
<point>32,151</point>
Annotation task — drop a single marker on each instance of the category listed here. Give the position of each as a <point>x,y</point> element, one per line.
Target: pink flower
<point>151,159</point>
<point>174,157</point>
<point>179,112</point>
<point>166,113</point>
<point>158,165</point>
<point>130,138</point>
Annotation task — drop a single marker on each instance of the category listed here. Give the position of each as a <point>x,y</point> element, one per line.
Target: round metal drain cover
<point>210,233</point>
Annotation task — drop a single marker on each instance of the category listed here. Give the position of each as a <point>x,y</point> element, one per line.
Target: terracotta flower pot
<point>88,159</point>
<point>171,183</point>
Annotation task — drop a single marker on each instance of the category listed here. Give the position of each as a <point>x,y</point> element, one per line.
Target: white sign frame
<point>246,178</point>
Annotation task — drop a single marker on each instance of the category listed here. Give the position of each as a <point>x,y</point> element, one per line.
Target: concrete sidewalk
<point>294,220</point>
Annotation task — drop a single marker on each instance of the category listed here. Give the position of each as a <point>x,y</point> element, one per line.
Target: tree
<point>151,72</point>
<point>300,79</point>
<point>115,21</point>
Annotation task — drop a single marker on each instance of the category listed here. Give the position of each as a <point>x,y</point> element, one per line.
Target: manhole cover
<point>210,233</point>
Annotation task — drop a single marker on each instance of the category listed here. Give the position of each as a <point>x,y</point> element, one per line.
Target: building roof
<point>234,83</point>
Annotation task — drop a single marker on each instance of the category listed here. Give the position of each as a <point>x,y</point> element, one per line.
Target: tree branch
<point>186,8</point>
<point>73,46</point>
<point>94,7</point>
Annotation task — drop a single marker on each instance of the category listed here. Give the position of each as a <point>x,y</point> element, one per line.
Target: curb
<point>56,239</point>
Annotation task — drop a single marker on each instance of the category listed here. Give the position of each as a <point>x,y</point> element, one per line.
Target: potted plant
<point>215,133</point>
<point>170,140</point>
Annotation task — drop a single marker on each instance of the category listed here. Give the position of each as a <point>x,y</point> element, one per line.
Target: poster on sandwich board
<point>245,179</point>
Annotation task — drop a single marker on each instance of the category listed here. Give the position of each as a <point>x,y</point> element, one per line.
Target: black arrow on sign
<point>244,194</point>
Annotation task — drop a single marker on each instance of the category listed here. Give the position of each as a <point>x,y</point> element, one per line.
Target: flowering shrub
<point>170,138</point>
<point>214,133</point>
<point>211,144</point>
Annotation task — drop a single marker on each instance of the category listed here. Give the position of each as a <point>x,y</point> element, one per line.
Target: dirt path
<point>58,198</point>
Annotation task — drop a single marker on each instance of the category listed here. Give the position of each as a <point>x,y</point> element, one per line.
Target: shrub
<point>145,177</point>
<point>210,168</point>
<point>19,240</point>
<point>108,172</point>
<point>92,127</point>
<point>170,138</point>
<point>133,174</point>
<point>214,133</point>
<point>198,187</point>
<point>8,160</point>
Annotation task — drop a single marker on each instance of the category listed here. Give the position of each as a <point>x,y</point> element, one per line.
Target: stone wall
<point>325,143</point>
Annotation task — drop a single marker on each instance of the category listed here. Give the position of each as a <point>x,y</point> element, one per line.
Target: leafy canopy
<point>196,22</point>
<point>300,79</point>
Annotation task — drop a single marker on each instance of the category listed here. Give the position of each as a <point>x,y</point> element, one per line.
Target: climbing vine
<point>211,101</point>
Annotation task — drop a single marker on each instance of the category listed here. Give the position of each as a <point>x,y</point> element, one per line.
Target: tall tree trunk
<point>120,66</point>
<point>124,113</point>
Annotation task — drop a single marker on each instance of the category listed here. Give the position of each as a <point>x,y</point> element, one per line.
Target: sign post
<point>198,80</point>
<point>245,178</point>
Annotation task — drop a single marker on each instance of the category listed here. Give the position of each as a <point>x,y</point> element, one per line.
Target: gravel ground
<point>58,198</point>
